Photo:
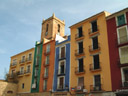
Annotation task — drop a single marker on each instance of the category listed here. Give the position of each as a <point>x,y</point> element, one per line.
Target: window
<point>81,81</point>
<point>48,48</point>
<point>94,26</point>
<point>14,62</point>
<point>96,64</point>
<point>62,67</point>
<point>46,72</point>
<point>125,76</point>
<point>80,65</point>
<point>37,60</point>
<point>22,85</point>
<point>38,50</point>
<point>97,82</point>
<point>121,19</point>
<point>12,72</point>
<point>45,85</point>
<point>28,68</point>
<point>80,33</point>
<point>58,28</point>
<point>60,83</point>
<point>47,60</point>
<point>122,35</point>
<point>46,33</point>
<point>62,52</point>
<point>30,56</point>
<point>22,70</point>
<point>123,54</point>
<point>36,71</point>
<point>95,43</point>
<point>80,47</point>
<point>23,59</point>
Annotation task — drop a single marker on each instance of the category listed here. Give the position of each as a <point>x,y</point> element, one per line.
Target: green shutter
<point>121,20</point>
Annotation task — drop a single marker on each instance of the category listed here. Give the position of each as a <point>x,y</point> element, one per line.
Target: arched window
<point>58,28</point>
<point>46,33</point>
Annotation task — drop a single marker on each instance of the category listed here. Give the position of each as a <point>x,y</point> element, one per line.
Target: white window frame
<point>122,74</point>
<point>29,57</point>
<point>118,32</point>
<point>48,48</point>
<point>60,65</point>
<point>22,70</point>
<point>116,18</point>
<point>59,81</point>
<point>14,61</point>
<point>60,50</point>
<point>44,84</point>
<point>27,68</point>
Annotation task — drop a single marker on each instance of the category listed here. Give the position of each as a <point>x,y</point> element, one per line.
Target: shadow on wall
<point>7,89</point>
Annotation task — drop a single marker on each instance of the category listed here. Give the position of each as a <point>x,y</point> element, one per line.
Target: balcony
<point>22,61</point>
<point>79,88</point>
<point>27,72</point>
<point>96,88</point>
<point>60,72</point>
<point>45,76</point>
<point>62,56</point>
<point>123,61</point>
<point>79,52</point>
<point>11,76</point>
<point>79,37</point>
<point>46,52</point>
<point>20,73</point>
<point>60,87</point>
<point>46,64</point>
<point>124,85</point>
<point>96,68</point>
<point>122,40</point>
<point>94,50</point>
<point>13,64</point>
<point>92,32</point>
<point>79,70</point>
<point>28,60</point>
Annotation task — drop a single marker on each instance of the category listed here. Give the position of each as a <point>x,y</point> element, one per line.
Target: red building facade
<point>117,27</point>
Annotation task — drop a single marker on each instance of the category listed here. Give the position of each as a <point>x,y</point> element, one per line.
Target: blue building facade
<point>62,66</point>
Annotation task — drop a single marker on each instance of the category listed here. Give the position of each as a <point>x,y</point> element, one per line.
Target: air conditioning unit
<point>79,87</point>
<point>33,86</point>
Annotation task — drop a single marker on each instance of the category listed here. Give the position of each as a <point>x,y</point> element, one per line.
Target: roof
<point>116,13</point>
<point>90,18</point>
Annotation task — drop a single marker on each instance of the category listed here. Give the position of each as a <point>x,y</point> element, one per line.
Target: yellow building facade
<point>20,71</point>
<point>90,64</point>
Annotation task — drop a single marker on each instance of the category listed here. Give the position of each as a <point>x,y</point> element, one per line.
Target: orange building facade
<point>47,66</point>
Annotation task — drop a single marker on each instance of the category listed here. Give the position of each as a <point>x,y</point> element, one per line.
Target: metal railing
<point>46,52</point>
<point>93,31</point>
<point>77,70</point>
<point>91,48</point>
<point>14,64</point>
<point>91,67</point>
<point>78,36</point>
<point>96,87</point>
<point>79,52</point>
<point>79,88</point>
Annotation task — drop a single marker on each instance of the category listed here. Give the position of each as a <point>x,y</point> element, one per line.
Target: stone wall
<point>7,89</point>
<point>34,94</point>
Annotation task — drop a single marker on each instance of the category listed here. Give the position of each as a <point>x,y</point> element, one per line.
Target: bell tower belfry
<point>51,27</point>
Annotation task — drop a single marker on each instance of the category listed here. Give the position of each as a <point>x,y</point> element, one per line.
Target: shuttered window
<point>121,20</point>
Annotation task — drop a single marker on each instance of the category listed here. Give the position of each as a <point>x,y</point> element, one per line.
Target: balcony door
<point>80,31</point>
<point>97,81</point>
<point>61,83</point>
<point>96,64</point>
<point>80,46</point>
<point>81,65</point>
<point>94,26</point>
<point>62,52</point>
<point>95,43</point>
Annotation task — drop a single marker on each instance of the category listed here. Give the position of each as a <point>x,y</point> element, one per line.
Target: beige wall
<point>6,87</point>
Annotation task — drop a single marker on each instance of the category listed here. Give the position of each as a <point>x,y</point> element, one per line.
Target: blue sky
<point>20,21</point>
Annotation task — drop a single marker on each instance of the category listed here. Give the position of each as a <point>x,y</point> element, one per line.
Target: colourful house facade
<point>47,66</point>
<point>90,64</point>
<point>20,71</point>
<point>62,67</point>
<point>36,67</point>
<point>117,26</point>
